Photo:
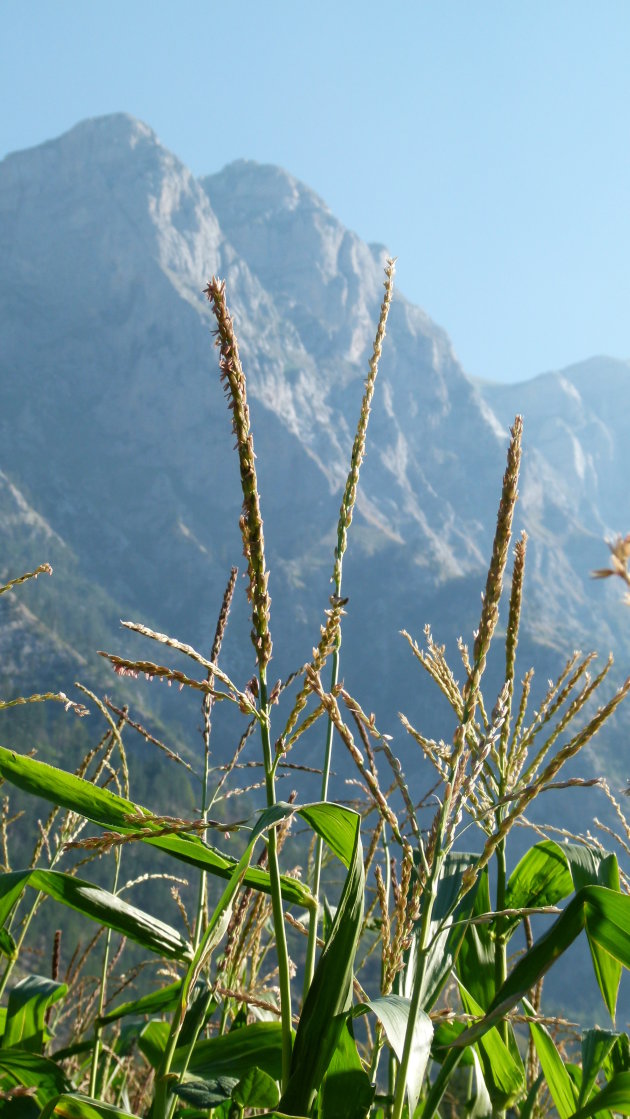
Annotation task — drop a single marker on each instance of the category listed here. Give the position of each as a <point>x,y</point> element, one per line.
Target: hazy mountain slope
<point>114,414</point>
<point>115,425</point>
<point>574,489</point>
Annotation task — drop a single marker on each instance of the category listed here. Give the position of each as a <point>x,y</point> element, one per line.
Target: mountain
<point>116,450</point>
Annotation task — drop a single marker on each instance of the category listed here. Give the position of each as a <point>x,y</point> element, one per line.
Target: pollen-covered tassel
<point>251,523</point>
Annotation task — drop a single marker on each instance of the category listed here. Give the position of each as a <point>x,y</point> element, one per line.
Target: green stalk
<point>14,959</point>
<point>284,975</point>
<point>311,947</point>
<point>345,520</point>
<point>102,992</point>
<point>500,958</point>
<point>161,1109</point>
<point>500,944</point>
<point>401,1082</point>
<point>193,1040</point>
<point>429,897</point>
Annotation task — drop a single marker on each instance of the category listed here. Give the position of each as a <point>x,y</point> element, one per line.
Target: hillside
<point>116,450</point>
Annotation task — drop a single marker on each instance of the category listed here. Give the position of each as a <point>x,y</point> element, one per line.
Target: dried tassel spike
<point>568,751</point>
<point>251,523</point>
<point>511,640</point>
<point>43,569</point>
<point>219,633</point>
<point>327,642</point>
<point>330,704</point>
<point>494,582</point>
<point>358,447</point>
<point>385,929</point>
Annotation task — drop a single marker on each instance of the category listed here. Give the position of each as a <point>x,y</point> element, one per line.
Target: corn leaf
<point>204,1094</point>
<point>152,1041</point>
<point>604,913</point>
<point>591,867</point>
<point>330,993</point>
<point>234,1054</point>
<point>25,1026</point>
<point>110,811</point>
<point>256,1089</point>
<point>31,1070</point>
<point>447,930</point>
<point>547,873</point>
<point>441,1082</point>
<point>7,944</point>
<point>97,904</point>
<point>596,1046</point>
<point>614,1096</point>
<point>346,1091</point>
<point>476,959</point>
<point>563,1091</point>
<point>78,1106</point>
<point>503,1073</point>
<point>163,999</point>
<point>542,877</point>
<point>393,1012</point>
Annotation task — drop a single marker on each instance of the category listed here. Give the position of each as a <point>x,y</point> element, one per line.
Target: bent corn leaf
<point>25,1026</point>
<point>393,1012</point>
<point>97,904</point>
<point>110,811</point>
<point>78,1106</point>
<point>330,993</point>
<point>604,913</point>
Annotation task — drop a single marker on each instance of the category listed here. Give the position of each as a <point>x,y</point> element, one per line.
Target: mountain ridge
<point>114,417</point>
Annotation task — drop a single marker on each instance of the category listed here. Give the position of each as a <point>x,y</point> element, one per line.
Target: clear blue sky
<point>486,142</point>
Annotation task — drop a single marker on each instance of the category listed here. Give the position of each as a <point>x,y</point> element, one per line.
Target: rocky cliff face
<point>114,423</point>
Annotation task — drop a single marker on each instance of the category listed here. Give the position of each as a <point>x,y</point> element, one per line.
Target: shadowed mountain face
<point>116,449</point>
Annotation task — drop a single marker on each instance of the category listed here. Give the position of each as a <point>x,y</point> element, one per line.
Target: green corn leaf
<point>542,877</point>
<point>447,930</point>
<point>78,1106</point>
<point>110,811</point>
<point>526,1110</point>
<point>590,867</point>
<point>97,904</point>
<point>604,913</point>
<point>336,825</point>
<point>547,873</point>
<point>443,1037</point>
<point>614,1096</point>
<point>8,946</point>
<point>74,1050</point>
<point>256,1089</point>
<point>25,1026</point>
<point>503,1072</point>
<point>563,1091</point>
<point>31,1070</point>
<point>233,1054</point>
<point>481,1102</point>
<point>152,1041</point>
<point>346,1091</point>
<point>476,959</point>
<point>157,1001</point>
<point>441,1082</point>
<point>330,993</point>
<point>393,1012</point>
<point>618,1060</point>
<point>596,1046</point>
<point>204,1094</point>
